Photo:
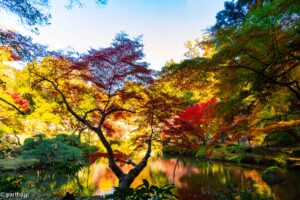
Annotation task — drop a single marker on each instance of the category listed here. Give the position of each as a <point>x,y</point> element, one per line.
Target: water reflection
<point>192,179</point>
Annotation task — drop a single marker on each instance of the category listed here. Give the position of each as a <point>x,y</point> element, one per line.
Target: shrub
<point>143,191</point>
<point>201,153</point>
<point>238,148</point>
<point>280,139</point>
<point>11,183</point>
<point>50,151</point>
<point>71,140</point>
<point>272,175</point>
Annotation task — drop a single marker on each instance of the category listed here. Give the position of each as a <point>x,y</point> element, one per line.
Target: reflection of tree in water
<point>195,179</point>
<point>45,181</point>
<point>210,177</point>
<point>192,179</point>
<point>158,177</point>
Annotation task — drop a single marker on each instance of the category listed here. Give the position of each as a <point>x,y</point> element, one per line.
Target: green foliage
<point>281,159</point>
<point>178,150</point>
<point>50,151</point>
<point>47,151</point>
<point>189,98</point>
<point>236,158</point>
<point>272,169</point>
<point>8,147</point>
<point>272,175</point>
<point>201,153</point>
<point>238,148</point>
<point>71,140</point>
<point>11,183</point>
<point>86,148</point>
<point>280,139</point>
<point>144,191</point>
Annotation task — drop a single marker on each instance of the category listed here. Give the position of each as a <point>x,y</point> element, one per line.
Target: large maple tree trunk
<point>125,180</point>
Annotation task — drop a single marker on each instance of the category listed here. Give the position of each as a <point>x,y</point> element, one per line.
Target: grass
<point>17,164</point>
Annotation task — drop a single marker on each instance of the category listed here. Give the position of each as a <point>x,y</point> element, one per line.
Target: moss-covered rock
<point>272,175</point>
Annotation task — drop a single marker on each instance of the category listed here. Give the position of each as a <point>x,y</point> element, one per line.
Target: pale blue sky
<point>165,25</point>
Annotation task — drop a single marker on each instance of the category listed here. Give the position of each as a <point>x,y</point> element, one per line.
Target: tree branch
<point>12,105</point>
<point>69,108</point>
<point>91,111</point>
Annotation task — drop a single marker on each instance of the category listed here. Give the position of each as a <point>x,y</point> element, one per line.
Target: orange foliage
<point>18,99</point>
<point>282,125</point>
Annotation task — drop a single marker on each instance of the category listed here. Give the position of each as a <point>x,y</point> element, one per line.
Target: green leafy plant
<point>144,191</point>
<point>11,183</point>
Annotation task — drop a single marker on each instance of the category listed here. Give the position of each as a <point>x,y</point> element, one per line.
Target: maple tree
<point>16,47</point>
<point>254,62</point>
<point>244,71</point>
<point>195,121</point>
<point>113,81</point>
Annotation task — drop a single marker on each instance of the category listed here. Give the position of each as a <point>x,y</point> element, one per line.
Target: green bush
<point>50,151</point>
<point>142,192</point>
<point>201,152</point>
<point>238,149</point>
<point>11,183</point>
<point>86,149</point>
<point>272,175</point>
<point>280,139</point>
<point>71,140</point>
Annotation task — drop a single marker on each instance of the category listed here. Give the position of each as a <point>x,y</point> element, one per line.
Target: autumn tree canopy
<point>103,86</point>
<point>253,63</point>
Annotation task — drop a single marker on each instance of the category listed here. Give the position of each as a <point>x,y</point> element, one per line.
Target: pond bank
<point>244,155</point>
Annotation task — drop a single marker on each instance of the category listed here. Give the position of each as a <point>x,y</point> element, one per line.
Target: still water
<point>191,177</point>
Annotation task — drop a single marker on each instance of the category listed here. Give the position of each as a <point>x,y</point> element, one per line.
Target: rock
<point>272,176</point>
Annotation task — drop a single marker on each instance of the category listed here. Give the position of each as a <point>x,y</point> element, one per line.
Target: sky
<point>165,25</point>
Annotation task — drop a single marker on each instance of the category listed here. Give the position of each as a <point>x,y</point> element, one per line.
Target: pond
<point>191,177</point>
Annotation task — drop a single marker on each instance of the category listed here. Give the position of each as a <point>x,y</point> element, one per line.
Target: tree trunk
<point>125,181</point>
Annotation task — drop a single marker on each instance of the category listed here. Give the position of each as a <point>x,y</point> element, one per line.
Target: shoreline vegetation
<point>234,154</point>
<point>243,154</point>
